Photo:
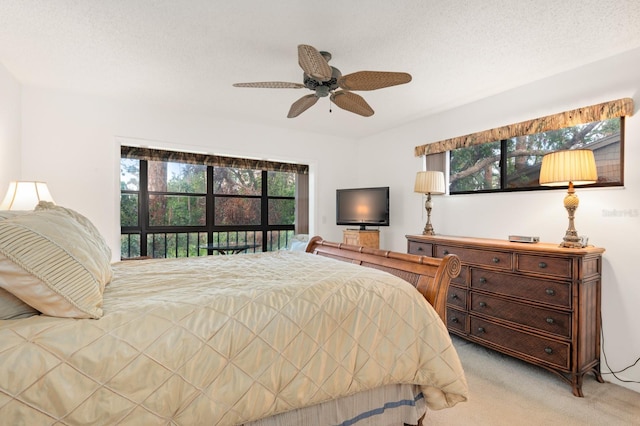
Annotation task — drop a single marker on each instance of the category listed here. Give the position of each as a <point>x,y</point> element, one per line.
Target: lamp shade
<point>25,195</point>
<point>577,166</point>
<point>429,183</point>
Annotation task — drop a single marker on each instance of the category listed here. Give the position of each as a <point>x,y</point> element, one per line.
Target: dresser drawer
<point>456,320</point>
<point>556,322</point>
<point>457,297</point>
<point>556,293</point>
<point>461,279</point>
<point>419,248</point>
<point>495,259</point>
<point>558,267</point>
<point>547,351</point>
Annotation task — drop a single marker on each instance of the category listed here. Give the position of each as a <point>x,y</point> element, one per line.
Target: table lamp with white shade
<point>569,168</point>
<point>429,183</point>
<point>25,195</point>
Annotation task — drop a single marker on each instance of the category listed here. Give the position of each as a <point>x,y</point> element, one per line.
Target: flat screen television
<point>362,207</point>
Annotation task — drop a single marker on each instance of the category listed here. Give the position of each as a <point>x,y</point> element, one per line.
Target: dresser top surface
<point>504,244</point>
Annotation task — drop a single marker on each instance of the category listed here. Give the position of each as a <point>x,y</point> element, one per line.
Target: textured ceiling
<point>189,53</point>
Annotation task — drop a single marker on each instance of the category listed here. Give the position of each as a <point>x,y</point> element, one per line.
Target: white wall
<point>533,213</point>
<point>10,91</point>
<point>71,141</point>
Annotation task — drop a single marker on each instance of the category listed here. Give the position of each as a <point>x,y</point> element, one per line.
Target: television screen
<point>363,207</point>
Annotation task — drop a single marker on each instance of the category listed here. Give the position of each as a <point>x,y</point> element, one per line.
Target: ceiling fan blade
<point>352,102</point>
<point>313,63</point>
<point>372,80</point>
<point>301,105</point>
<point>271,85</point>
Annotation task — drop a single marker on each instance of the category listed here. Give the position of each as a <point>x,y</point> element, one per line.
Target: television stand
<point>361,237</point>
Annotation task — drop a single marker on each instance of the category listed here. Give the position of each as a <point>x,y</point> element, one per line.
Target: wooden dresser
<point>537,302</point>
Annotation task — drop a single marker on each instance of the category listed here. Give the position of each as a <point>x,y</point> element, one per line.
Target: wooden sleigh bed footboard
<point>431,276</point>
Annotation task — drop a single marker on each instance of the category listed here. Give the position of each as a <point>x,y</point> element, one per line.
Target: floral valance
<point>599,112</point>
<point>150,154</point>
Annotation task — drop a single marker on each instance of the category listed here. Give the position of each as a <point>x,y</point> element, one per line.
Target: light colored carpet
<point>507,391</point>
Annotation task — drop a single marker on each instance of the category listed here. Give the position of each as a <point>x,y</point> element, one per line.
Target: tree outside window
<point>514,164</point>
<point>165,207</point>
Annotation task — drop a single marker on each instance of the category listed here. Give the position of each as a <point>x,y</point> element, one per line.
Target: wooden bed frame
<point>430,275</point>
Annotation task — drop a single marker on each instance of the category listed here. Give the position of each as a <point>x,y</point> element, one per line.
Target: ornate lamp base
<point>428,228</point>
<point>571,238</point>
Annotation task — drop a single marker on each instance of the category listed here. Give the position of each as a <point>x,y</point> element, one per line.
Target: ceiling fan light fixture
<point>322,91</point>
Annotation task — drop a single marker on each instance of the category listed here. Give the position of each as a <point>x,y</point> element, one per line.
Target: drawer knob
<point>550,291</point>
<point>542,265</point>
<point>481,330</point>
<point>454,319</point>
<point>496,260</point>
<point>419,248</point>
<point>548,350</point>
<point>550,320</point>
<point>454,296</point>
<point>482,304</point>
<point>483,280</point>
<point>446,252</point>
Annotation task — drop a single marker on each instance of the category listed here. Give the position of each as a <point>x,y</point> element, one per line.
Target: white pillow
<point>298,242</point>
<point>13,308</point>
<point>51,262</point>
<point>298,246</point>
<point>8,214</point>
<point>10,306</point>
<point>94,234</point>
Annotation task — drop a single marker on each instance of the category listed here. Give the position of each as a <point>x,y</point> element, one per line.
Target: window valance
<point>150,154</point>
<point>599,112</point>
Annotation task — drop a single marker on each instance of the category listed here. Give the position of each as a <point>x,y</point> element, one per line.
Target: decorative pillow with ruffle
<point>50,261</point>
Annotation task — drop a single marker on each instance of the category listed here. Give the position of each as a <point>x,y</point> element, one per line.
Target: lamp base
<point>571,238</point>
<point>428,228</point>
<point>571,242</point>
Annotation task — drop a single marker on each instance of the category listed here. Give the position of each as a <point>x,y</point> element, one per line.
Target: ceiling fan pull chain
<point>330,106</point>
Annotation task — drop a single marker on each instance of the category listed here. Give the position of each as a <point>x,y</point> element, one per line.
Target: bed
<point>283,337</point>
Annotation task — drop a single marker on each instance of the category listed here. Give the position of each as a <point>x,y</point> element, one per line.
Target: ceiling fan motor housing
<point>323,88</point>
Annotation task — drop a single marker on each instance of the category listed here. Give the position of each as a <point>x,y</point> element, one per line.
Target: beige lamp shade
<point>429,182</point>
<point>568,168</point>
<point>25,195</point>
<point>577,166</point>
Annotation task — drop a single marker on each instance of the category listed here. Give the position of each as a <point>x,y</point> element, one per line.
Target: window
<point>172,208</point>
<point>514,164</point>
<point>177,194</point>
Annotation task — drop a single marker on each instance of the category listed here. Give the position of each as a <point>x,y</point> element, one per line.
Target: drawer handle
<point>550,320</point>
<point>548,350</point>
<point>542,265</point>
<point>550,292</point>
<point>481,330</point>
<point>454,296</point>
<point>496,260</point>
<point>482,304</point>
<point>446,252</point>
<point>454,319</point>
<point>483,280</point>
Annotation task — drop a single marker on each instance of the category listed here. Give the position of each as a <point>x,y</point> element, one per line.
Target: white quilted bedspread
<point>221,340</point>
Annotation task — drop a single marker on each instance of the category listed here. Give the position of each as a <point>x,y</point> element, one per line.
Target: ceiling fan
<point>326,80</point>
